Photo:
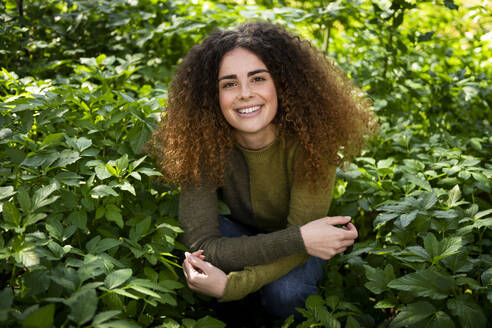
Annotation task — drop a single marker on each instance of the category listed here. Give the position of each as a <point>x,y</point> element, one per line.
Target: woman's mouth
<point>248,111</point>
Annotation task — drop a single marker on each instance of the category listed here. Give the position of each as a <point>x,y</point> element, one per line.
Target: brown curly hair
<point>317,104</point>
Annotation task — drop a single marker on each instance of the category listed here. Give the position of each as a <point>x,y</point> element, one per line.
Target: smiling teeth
<point>249,110</point>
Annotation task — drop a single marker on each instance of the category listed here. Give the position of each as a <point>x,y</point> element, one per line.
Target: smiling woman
<point>259,117</point>
<point>247,98</point>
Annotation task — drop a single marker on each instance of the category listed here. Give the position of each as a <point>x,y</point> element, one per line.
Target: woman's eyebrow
<point>234,76</point>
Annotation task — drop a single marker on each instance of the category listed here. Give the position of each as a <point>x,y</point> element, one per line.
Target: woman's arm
<point>199,219</point>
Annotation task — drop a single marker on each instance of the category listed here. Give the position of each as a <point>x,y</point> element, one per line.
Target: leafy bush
<point>89,235</point>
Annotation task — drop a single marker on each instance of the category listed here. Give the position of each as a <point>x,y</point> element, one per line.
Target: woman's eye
<point>228,85</point>
<point>258,79</point>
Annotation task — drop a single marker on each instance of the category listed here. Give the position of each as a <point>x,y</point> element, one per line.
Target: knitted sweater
<point>261,192</point>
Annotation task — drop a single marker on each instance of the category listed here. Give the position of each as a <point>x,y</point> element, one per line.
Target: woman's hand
<point>322,239</point>
<point>202,276</point>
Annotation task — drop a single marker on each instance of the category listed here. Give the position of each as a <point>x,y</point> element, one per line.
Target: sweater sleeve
<point>305,206</point>
<point>199,219</point>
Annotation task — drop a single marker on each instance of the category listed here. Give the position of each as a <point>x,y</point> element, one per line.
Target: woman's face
<point>248,98</point>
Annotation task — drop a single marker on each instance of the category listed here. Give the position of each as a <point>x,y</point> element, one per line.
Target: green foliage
<point>88,237</point>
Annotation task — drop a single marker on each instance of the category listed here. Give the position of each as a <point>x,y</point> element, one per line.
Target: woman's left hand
<point>203,277</point>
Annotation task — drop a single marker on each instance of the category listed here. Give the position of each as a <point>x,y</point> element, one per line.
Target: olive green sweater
<point>261,192</point>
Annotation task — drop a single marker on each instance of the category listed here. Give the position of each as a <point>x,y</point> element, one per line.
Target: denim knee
<point>283,296</point>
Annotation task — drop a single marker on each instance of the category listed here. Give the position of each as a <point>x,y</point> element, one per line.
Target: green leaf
<point>118,277</point>
<point>6,300</point>
<point>83,305</point>
<point>122,162</point>
<point>412,314</point>
<point>33,218</point>
<point>144,290</point>
<point>454,196</point>
<point>125,185</point>
<point>96,245</point>
<point>351,322</point>
<point>441,249</point>
<point>487,277</point>
<point>23,199</point>
<point>111,170</point>
<point>103,191</point>
<point>102,171</point>
<point>41,318</point>
<point>469,313</point>
<point>425,283</point>
<point>209,322</point>
<point>149,172</point>
<point>6,192</point>
<point>118,324</point>
<point>83,143</point>
<point>67,157</point>
<point>52,140</point>
<point>11,214</point>
<point>407,218</point>
<point>439,319</point>
<point>135,164</point>
<point>482,214</point>
<point>378,279</point>
<point>113,214</point>
<point>41,196</point>
<point>104,316</point>
<point>78,219</point>
<point>419,181</point>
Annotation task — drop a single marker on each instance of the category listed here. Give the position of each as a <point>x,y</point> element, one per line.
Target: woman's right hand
<point>322,239</point>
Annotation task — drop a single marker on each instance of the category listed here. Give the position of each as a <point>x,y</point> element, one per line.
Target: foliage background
<point>89,237</point>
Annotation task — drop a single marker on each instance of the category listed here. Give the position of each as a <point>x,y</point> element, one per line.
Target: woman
<point>260,118</point>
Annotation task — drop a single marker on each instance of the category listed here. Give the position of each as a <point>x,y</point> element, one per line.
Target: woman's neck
<point>256,141</point>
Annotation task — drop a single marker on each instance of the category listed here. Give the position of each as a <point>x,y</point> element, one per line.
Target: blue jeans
<point>282,296</point>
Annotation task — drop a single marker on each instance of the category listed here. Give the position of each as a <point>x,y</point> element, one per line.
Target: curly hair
<point>317,104</point>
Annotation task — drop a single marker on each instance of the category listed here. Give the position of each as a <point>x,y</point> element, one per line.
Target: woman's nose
<point>245,90</point>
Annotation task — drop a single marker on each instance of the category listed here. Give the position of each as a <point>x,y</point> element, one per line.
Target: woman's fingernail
<point>187,255</point>
<point>348,217</point>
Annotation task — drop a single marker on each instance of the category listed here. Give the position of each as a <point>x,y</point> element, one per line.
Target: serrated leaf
<point>83,306</point>
<point>83,143</point>
<point>412,314</point>
<point>351,322</point>
<point>425,283</point>
<point>407,218</point>
<point>102,172</point>
<point>419,181</point>
<point>24,200</point>
<point>78,219</point>
<point>469,313</point>
<point>118,277</point>
<point>41,196</point>
<point>441,249</point>
<point>67,157</point>
<point>11,214</point>
<point>113,214</point>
